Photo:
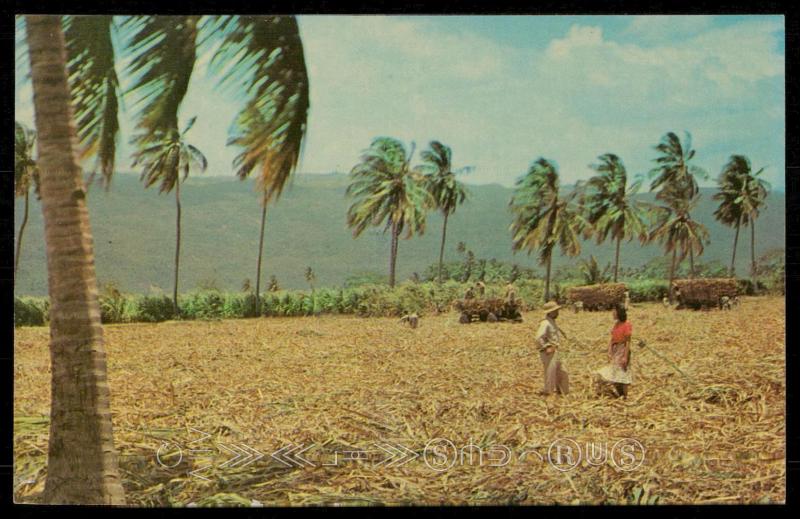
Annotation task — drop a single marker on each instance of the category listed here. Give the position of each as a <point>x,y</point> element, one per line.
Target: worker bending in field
<point>556,378</point>
<point>411,319</point>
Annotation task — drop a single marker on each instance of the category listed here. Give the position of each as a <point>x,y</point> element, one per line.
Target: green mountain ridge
<point>134,233</point>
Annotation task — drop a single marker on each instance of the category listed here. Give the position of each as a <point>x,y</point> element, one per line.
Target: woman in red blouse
<point>617,372</point>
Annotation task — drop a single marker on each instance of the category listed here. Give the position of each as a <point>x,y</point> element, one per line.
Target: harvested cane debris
<point>389,417</point>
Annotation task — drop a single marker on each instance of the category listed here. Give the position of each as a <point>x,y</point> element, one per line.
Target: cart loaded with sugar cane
<point>706,293</point>
<point>489,309</point>
<point>597,297</point>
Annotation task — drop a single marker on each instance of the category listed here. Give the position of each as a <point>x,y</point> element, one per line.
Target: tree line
<point>389,192</point>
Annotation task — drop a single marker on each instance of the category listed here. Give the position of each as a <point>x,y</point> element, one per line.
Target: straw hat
<point>550,306</point>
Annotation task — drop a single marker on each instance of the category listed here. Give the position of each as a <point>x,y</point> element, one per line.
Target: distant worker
<point>578,306</point>
<point>481,288</point>
<point>511,294</point>
<point>735,302</point>
<point>470,294</point>
<point>556,379</point>
<point>678,298</point>
<point>411,319</point>
<point>725,303</point>
<point>665,302</point>
<point>627,300</point>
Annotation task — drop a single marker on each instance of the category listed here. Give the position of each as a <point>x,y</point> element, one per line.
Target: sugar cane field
<point>341,410</point>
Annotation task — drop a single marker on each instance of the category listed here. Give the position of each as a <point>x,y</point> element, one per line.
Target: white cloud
<point>499,107</point>
<point>579,37</point>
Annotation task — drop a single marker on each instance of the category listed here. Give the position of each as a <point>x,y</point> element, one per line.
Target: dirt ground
<point>368,411</point>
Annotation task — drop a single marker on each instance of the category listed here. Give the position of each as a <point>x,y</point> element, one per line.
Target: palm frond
<point>95,89</point>
<point>542,219</point>
<point>263,57</point>
<point>163,57</point>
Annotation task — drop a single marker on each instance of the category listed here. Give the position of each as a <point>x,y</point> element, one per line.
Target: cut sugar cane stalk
<point>643,344</point>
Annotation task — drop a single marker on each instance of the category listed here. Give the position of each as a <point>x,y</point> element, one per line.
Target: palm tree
<point>755,194</point>
<point>310,278</point>
<point>25,175</point>
<point>271,131</point>
<point>611,207</point>
<point>675,180</point>
<point>164,161</point>
<point>73,66</point>
<point>445,189</point>
<point>730,212</point>
<point>673,167</point>
<point>592,273</point>
<point>387,192</point>
<point>469,263</point>
<point>679,233</point>
<point>543,218</point>
<point>82,466</point>
<point>741,195</point>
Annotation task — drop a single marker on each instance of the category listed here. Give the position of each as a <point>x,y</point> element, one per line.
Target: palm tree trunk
<point>691,261</point>
<point>616,260</point>
<point>672,274</point>
<point>260,253</point>
<point>441,249</point>
<point>753,253</point>
<point>393,256</point>
<point>547,277</point>
<point>177,245</point>
<point>19,236</point>
<point>735,242</point>
<point>82,466</point>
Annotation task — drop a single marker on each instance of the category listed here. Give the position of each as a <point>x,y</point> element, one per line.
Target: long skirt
<point>618,370</point>
<point>555,377</point>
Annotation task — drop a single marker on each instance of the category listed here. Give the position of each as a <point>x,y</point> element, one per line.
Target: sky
<point>502,91</point>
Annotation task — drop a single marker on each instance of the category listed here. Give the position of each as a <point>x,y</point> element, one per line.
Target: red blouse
<point>621,332</point>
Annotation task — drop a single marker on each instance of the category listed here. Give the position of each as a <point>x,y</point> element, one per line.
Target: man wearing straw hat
<point>556,378</point>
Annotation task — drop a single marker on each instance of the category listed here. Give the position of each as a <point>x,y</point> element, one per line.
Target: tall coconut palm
<point>543,218</point>
<point>168,161</point>
<point>445,189</point>
<point>679,233</point>
<point>270,131</point>
<point>673,167</point>
<point>26,175</point>
<point>755,194</point>
<point>78,72</point>
<point>742,194</point>
<point>82,466</point>
<point>611,207</point>
<point>675,180</point>
<point>731,195</point>
<point>387,192</point>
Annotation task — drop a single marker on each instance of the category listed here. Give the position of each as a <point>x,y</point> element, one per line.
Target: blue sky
<point>504,90</point>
